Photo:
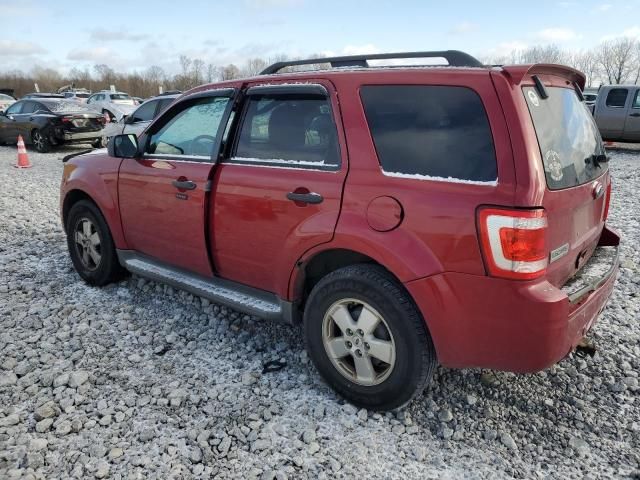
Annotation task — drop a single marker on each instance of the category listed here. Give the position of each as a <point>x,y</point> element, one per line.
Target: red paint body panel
<point>160,220</point>
<point>96,175</point>
<point>480,321</point>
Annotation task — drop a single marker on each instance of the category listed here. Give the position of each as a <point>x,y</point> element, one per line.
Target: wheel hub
<point>358,342</point>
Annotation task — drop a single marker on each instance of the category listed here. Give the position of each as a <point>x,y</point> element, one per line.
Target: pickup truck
<point>617,112</point>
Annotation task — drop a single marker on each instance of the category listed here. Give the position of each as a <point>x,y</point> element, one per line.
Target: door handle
<point>635,115</point>
<point>305,197</point>
<point>184,184</point>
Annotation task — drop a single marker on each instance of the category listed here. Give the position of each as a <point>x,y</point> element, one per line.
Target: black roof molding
<point>455,58</point>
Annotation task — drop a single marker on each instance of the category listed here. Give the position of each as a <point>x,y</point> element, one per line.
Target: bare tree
<point>197,69</point>
<point>586,61</point>
<point>618,59</point>
<point>230,72</point>
<point>213,72</point>
<point>253,66</point>
<point>544,54</point>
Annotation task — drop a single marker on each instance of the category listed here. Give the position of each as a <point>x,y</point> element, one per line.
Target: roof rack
<point>455,58</point>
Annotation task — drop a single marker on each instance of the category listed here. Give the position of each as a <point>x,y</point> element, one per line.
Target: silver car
<point>114,105</point>
<point>137,121</point>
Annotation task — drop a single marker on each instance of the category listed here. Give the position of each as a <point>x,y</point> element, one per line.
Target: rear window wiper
<point>597,159</point>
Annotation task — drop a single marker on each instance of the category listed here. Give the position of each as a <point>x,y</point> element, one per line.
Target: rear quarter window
<point>617,97</point>
<point>430,132</point>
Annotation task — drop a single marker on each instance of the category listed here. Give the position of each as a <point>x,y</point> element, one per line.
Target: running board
<point>231,294</point>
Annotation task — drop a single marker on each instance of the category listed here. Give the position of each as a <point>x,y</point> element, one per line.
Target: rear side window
<point>617,97</point>
<point>288,129</point>
<point>430,132</point>
<point>636,101</point>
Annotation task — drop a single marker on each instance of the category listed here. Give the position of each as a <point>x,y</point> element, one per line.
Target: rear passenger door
<point>278,191</point>
<point>632,124</point>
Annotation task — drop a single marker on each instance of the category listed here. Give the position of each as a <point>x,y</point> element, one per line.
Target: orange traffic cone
<point>23,159</point>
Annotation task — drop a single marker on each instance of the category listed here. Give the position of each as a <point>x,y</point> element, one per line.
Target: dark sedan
<point>46,122</point>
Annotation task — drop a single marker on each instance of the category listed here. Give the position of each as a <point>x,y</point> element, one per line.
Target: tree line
<point>613,61</point>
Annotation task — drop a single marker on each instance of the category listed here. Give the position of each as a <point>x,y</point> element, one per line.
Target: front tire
<point>90,245</point>
<point>367,338</point>
<point>40,141</point>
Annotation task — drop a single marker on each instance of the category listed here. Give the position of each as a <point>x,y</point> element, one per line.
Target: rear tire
<point>40,141</point>
<point>91,246</point>
<point>367,338</point>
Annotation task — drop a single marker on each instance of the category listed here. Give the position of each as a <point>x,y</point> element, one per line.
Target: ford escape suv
<point>407,216</point>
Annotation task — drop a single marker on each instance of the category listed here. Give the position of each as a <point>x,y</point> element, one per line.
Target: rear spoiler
<point>518,72</point>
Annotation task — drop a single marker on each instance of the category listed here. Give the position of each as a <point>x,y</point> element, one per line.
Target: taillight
<point>514,242</point>
<point>607,202</point>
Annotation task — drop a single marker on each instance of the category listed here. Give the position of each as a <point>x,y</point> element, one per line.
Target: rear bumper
<point>81,136</point>
<point>481,321</point>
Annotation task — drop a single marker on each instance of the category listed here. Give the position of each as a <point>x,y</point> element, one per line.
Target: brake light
<point>607,202</point>
<point>514,242</point>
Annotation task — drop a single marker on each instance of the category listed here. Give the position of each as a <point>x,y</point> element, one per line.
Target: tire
<point>99,265</point>
<point>372,290</point>
<point>40,141</point>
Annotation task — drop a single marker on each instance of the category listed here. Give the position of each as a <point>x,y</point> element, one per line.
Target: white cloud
<point>274,3</point>
<point>604,7</point>
<point>95,55</point>
<point>12,48</point>
<point>463,27</point>
<point>104,35</point>
<point>506,48</point>
<point>631,32</point>
<point>557,35</point>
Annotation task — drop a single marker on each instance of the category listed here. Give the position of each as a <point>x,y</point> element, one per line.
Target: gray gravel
<point>138,380</point>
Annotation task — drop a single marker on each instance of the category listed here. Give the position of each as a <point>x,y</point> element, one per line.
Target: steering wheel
<point>199,148</point>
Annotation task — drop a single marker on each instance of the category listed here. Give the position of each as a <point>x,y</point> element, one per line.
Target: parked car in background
<point>590,95</point>
<point>617,113</point>
<point>47,122</point>
<point>6,101</point>
<point>114,105</point>
<point>406,216</point>
<point>137,121</point>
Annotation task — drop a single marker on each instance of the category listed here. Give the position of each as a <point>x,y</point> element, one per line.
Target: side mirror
<point>123,146</point>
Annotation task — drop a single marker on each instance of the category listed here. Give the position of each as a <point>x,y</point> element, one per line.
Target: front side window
<point>291,129</point>
<point>29,107</point>
<point>617,97</point>
<point>430,132</point>
<point>191,131</point>
<point>144,113</point>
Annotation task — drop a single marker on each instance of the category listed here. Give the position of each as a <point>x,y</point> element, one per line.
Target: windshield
<point>568,137</point>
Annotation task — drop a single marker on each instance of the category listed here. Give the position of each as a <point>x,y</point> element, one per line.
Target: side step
<point>231,294</point>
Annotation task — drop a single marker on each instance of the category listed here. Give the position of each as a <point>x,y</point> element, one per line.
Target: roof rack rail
<point>455,58</point>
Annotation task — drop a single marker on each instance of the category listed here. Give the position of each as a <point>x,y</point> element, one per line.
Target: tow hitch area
<point>585,348</point>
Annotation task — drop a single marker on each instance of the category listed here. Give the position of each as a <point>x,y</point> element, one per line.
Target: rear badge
<point>558,253</point>
<point>554,165</point>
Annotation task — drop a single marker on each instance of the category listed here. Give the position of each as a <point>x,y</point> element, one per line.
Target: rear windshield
<point>120,96</point>
<point>82,95</point>
<point>567,135</point>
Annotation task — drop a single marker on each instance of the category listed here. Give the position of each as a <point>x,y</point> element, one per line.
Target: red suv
<point>408,216</point>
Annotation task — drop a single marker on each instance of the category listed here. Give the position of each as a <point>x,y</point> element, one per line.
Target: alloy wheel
<point>87,243</point>
<point>358,342</point>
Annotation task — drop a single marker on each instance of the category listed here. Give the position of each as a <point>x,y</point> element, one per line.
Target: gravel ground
<point>138,380</point>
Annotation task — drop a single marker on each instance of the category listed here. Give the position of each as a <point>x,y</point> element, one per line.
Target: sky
<point>132,35</point>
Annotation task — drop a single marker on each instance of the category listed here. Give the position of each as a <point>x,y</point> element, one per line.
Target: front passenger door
<point>164,194</point>
<point>632,125</point>
<point>8,129</point>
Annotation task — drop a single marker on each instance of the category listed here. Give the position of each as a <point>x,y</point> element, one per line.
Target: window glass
<point>430,131</point>
<point>636,101</point>
<point>567,135</point>
<point>289,129</point>
<point>192,131</point>
<point>164,103</point>
<point>145,112</point>
<point>29,107</point>
<point>5,97</point>
<point>120,96</point>
<point>15,108</point>
<point>617,97</point>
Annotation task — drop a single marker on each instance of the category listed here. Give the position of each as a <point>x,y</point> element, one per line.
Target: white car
<point>139,119</point>
<point>6,101</point>
<point>77,96</point>
<point>114,105</point>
